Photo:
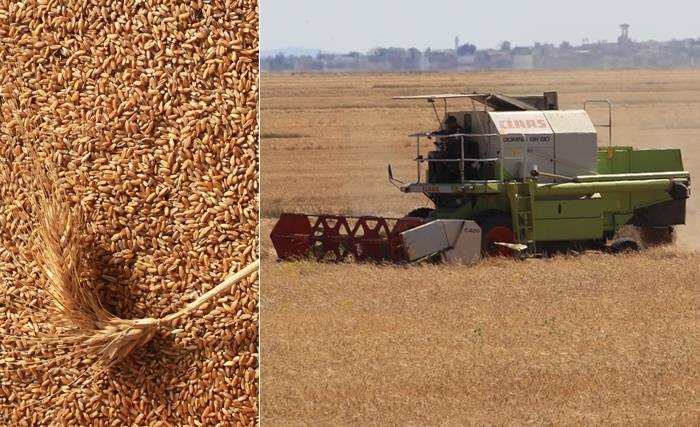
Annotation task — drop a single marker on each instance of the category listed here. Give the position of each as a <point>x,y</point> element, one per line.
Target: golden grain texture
<point>584,340</point>
<point>149,111</point>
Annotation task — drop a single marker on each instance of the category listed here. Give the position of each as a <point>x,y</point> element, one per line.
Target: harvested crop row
<point>148,109</point>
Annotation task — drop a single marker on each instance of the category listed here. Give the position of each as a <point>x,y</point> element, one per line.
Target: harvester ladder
<point>522,204</point>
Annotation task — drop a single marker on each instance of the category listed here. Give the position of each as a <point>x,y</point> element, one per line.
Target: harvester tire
<point>495,227</point>
<point>623,245</point>
<point>420,213</point>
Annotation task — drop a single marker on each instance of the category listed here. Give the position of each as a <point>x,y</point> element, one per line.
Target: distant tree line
<point>623,53</point>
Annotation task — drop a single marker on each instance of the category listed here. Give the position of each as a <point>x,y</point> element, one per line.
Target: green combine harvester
<point>513,176</point>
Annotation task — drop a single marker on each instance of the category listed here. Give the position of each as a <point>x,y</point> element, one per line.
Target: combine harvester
<point>518,177</point>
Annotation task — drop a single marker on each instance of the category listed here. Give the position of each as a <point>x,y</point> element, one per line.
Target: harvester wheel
<point>622,245</point>
<point>496,228</point>
<point>420,213</point>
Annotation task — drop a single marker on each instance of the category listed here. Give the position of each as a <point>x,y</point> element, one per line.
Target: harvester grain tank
<point>512,175</point>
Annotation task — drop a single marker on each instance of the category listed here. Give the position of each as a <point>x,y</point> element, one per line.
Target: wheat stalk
<point>60,250</point>
<point>118,337</point>
<point>57,239</point>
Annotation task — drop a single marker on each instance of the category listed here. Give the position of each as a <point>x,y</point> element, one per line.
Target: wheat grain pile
<point>148,110</point>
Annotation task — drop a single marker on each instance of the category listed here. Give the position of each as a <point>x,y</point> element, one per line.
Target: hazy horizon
<point>361,25</point>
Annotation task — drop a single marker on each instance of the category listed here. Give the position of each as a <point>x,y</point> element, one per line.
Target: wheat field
<point>589,339</point>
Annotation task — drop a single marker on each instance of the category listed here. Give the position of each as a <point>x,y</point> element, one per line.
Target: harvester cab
<point>511,175</point>
<point>504,140</point>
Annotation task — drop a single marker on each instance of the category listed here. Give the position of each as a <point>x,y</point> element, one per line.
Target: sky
<point>344,26</point>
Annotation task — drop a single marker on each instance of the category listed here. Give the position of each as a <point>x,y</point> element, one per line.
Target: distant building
<point>601,55</point>
<point>524,62</point>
